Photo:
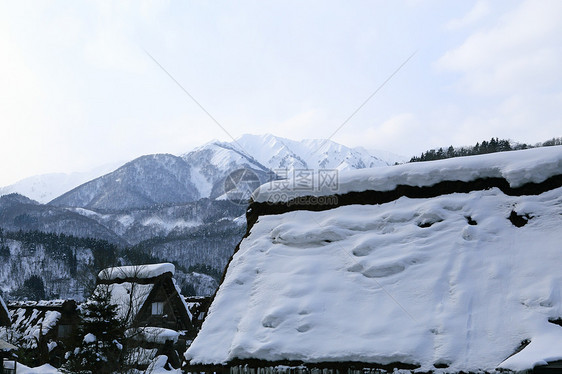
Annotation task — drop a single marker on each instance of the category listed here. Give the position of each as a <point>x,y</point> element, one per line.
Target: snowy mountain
<point>145,181</point>
<point>279,153</point>
<point>44,188</point>
<point>17,212</point>
<point>67,265</point>
<point>269,155</point>
<point>445,266</point>
<point>201,173</point>
<point>137,225</point>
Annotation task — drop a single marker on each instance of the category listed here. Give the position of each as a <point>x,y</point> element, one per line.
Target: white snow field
<point>446,280</point>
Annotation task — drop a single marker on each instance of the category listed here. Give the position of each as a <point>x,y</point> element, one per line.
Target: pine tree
<point>99,339</point>
<point>33,288</point>
<point>451,151</point>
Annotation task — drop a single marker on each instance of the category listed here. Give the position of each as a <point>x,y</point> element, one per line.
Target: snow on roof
<point>129,298</point>
<point>136,271</point>
<point>445,280</point>
<point>57,303</point>
<point>158,366</point>
<point>6,347</point>
<point>153,334</point>
<point>43,369</point>
<point>30,323</point>
<point>517,167</point>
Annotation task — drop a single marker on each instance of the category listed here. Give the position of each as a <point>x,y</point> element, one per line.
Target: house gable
<point>146,295</point>
<point>164,308</point>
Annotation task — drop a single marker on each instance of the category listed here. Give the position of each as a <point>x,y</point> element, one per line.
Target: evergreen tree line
<point>62,246</point>
<point>491,146</point>
<point>206,269</point>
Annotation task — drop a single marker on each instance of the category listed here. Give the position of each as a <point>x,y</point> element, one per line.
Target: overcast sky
<point>77,89</point>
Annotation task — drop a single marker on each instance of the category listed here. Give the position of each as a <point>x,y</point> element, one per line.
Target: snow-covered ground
<point>43,369</point>
<point>448,280</point>
<point>157,366</point>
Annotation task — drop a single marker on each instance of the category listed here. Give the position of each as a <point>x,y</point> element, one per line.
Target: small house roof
<point>6,347</point>
<point>131,287</point>
<point>42,304</point>
<point>136,272</point>
<point>29,321</point>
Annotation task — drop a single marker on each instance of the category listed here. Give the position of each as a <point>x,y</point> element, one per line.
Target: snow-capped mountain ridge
<point>241,152</point>
<point>168,179</point>
<point>145,181</point>
<point>168,205</point>
<point>281,153</point>
<point>268,155</point>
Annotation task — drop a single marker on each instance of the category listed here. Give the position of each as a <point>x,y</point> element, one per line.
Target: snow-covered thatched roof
<point>131,287</point>
<point>32,319</point>
<point>56,303</point>
<point>457,280</point>
<point>7,347</point>
<point>129,298</point>
<point>516,168</point>
<point>136,272</point>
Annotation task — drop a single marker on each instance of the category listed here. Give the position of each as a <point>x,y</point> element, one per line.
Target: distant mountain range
<point>168,179</point>
<point>44,188</point>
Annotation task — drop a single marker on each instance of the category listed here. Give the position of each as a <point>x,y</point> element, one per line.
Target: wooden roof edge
<point>252,362</point>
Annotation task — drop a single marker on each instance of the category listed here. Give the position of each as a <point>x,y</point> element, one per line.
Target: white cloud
<point>480,10</point>
<point>521,53</point>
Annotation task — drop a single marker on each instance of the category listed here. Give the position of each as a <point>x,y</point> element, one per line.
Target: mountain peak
<point>16,198</point>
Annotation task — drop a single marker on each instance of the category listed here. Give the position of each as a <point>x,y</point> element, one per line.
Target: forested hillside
<point>36,265</point>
